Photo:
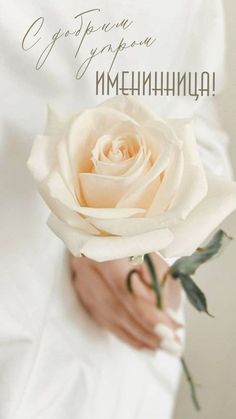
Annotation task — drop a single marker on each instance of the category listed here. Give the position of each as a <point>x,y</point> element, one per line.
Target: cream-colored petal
<point>144,189</point>
<point>132,226</point>
<point>43,155</point>
<point>184,131</point>
<point>110,248</point>
<point>72,218</point>
<point>192,190</point>
<point>114,169</point>
<point>129,134</point>
<point>110,213</point>
<point>193,187</point>
<point>169,186</point>
<point>200,223</point>
<point>86,129</point>
<point>184,183</point>
<point>58,189</point>
<point>128,105</point>
<point>64,168</point>
<point>62,202</point>
<point>106,191</point>
<point>74,238</point>
<point>65,214</point>
<point>103,191</point>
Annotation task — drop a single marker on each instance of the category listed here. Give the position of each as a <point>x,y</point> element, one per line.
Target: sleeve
<point>212,139</point>
<point>206,52</point>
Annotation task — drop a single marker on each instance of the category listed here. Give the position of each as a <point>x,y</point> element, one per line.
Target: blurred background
<point>211,343</point>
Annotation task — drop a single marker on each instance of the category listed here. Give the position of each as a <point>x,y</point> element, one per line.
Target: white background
<point>211,343</point>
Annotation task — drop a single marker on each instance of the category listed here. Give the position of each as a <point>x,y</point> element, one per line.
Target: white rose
<point>121,181</point>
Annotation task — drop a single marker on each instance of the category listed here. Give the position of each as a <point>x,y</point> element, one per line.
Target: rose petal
<point>143,190</point>
<point>169,186</point>
<point>114,169</point>
<point>217,205</point>
<point>133,226</point>
<point>131,107</point>
<point>72,218</point>
<point>103,191</point>
<point>110,213</point>
<point>193,187</point>
<point>108,248</point>
<point>86,129</point>
<point>106,191</point>
<point>73,238</point>
<point>58,189</point>
<point>64,168</point>
<point>121,131</point>
<point>65,214</point>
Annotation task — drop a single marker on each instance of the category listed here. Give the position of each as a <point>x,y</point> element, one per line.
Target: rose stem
<point>155,280</point>
<point>129,277</point>
<point>191,383</point>
<point>158,290</point>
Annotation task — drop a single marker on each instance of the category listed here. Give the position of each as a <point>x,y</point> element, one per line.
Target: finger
<point>129,301</point>
<point>125,336</point>
<point>79,263</point>
<point>172,290</point>
<point>172,294</point>
<point>166,338</point>
<point>142,290</point>
<point>102,303</point>
<point>153,315</point>
<point>119,319</point>
<point>93,291</point>
<point>157,320</point>
<point>134,325</point>
<point>169,340</point>
<point>145,313</point>
<point>106,309</point>
<point>115,276</point>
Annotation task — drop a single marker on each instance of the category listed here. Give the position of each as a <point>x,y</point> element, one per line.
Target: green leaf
<point>189,264</point>
<point>194,294</point>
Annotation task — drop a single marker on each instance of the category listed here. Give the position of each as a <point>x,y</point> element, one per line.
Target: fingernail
<point>174,316</point>
<point>172,347</point>
<point>168,340</point>
<point>164,332</point>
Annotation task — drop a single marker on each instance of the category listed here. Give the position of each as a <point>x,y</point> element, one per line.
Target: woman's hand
<point>134,318</point>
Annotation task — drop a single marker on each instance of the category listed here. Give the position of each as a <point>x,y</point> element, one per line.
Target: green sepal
<point>189,264</point>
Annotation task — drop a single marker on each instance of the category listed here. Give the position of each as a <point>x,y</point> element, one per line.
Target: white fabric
<point>54,361</point>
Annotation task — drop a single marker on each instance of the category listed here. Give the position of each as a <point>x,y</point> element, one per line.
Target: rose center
<point>118,151</point>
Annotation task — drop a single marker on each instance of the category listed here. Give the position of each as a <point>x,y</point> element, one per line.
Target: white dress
<point>55,362</point>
